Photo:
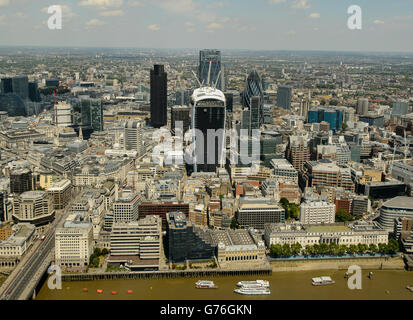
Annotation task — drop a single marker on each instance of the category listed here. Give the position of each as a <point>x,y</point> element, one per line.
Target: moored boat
<point>205,284</point>
<point>410,288</point>
<point>256,283</point>
<point>322,281</point>
<point>253,291</point>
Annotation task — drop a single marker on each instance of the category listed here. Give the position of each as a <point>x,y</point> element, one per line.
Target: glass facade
<point>207,57</point>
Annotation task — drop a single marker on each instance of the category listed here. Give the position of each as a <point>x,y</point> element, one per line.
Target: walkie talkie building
<point>208,113</point>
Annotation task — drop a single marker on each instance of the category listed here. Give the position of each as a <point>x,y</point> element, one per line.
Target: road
<point>26,270</point>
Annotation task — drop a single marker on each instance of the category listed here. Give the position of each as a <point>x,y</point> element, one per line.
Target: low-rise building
<point>358,232</point>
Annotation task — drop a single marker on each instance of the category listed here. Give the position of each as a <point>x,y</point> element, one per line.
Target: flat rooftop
<point>327,228</point>
<point>400,202</point>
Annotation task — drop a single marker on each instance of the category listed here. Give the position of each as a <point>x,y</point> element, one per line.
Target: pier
<point>163,274</point>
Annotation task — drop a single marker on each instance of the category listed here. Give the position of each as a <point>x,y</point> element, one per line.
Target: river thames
<point>386,284</point>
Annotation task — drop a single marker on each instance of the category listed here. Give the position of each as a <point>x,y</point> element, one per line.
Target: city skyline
<point>280,24</point>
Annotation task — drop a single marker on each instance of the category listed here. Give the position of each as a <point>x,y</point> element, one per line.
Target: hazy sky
<point>232,24</point>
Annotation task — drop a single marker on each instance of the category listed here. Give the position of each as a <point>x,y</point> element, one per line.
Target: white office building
<point>74,243</point>
<point>125,209</point>
<point>63,114</point>
<point>317,212</point>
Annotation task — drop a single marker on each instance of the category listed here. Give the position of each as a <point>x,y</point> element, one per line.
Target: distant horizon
<point>2,46</point>
<point>293,25</point>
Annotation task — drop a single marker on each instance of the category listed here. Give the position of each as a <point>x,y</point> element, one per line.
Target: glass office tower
<point>159,99</point>
<point>207,57</point>
<point>284,94</point>
<point>208,113</point>
<point>253,88</point>
<point>92,113</point>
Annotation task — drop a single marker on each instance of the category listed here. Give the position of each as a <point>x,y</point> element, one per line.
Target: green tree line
<point>287,250</point>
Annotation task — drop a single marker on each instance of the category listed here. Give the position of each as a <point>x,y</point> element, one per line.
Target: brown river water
<point>386,284</point>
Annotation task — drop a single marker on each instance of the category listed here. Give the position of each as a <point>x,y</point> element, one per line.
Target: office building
<point>35,207</point>
<point>398,207</point>
<point>126,208</point>
<point>5,215</point>
<point>210,69</point>
<point>133,136</point>
<point>20,86</point>
<point>162,208</point>
<point>317,212</point>
<point>63,114</point>
<point>74,243</point>
<point>256,212</point>
<point>61,193</point>
<point>183,97</point>
<point>284,95</point>
<point>159,98</point>
<point>184,241</point>
<point>400,108</point>
<point>209,114</point>
<point>253,89</point>
<point>34,94</point>
<point>180,113</point>
<point>6,85</point>
<point>92,113</point>
<point>16,245</point>
<point>362,106</point>
<point>284,170</point>
<point>298,151</point>
<point>326,173</point>
<point>21,180</point>
<point>373,120</point>
<point>136,244</point>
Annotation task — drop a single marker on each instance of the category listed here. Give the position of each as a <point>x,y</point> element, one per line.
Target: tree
<point>323,248</point>
<point>343,216</point>
<point>352,249</point>
<point>309,250</point>
<point>293,211</point>
<point>344,126</point>
<point>382,248</point>
<point>276,250</point>
<point>284,203</point>
<point>342,250</point>
<point>234,223</point>
<point>296,249</point>
<point>104,252</point>
<point>286,250</point>
<point>97,252</point>
<point>373,248</point>
<point>333,248</point>
<point>393,246</point>
<point>316,249</point>
<point>323,102</point>
<point>361,248</point>
<point>333,102</point>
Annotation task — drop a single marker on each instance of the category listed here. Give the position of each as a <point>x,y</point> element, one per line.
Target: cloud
<point>67,12</point>
<point>136,4</point>
<point>2,20</point>
<point>295,4</point>
<point>300,4</point>
<point>378,22</point>
<point>101,4</point>
<point>95,23</point>
<point>216,5</point>
<point>19,14</point>
<point>154,27</point>
<point>213,26</point>
<point>4,3</point>
<point>315,16</point>
<point>112,13</point>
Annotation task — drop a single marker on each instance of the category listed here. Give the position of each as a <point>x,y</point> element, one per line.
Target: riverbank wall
<point>374,263</point>
<point>163,274</point>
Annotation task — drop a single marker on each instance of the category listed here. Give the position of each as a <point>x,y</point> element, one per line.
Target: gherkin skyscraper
<point>253,88</point>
